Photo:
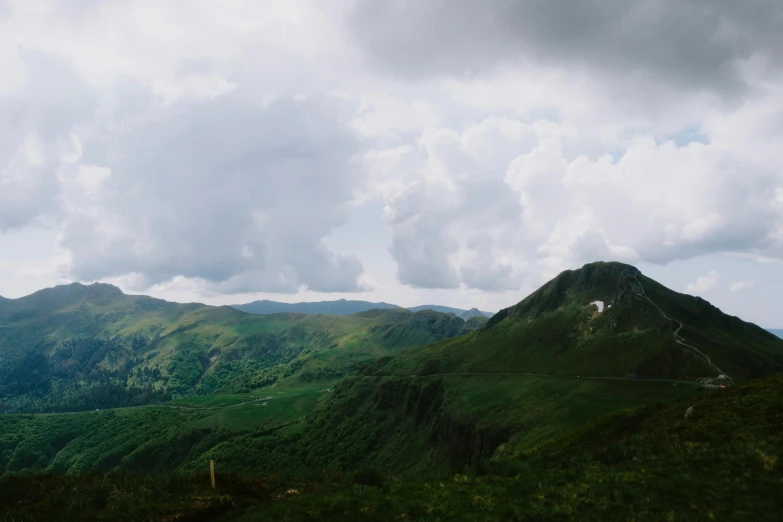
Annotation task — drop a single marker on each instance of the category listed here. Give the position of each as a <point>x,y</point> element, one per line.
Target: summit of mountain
<point>607,319</point>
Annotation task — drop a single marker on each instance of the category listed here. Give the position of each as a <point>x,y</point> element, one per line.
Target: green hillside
<point>603,395</point>
<point>83,347</point>
<point>544,366</point>
<point>645,331</point>
<point>714,457</point>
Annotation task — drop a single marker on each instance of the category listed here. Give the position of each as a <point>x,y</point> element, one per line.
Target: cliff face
<point>400,424</point>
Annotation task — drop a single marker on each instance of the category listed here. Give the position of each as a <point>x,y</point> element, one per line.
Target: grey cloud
<point>426,232</point>
<point>691,43</point>
<point>224,190</point>
<point>35,131</point>
<point>422,253</point>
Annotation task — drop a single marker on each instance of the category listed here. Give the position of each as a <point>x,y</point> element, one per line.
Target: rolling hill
<point>81,347</point>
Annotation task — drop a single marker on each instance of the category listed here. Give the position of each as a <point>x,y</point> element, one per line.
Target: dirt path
<point>677,337</point>
<point>222,406</point>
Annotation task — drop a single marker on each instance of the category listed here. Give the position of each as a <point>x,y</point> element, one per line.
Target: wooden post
<point>212,472</point>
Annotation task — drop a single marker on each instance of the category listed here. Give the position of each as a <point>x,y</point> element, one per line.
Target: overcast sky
<point>457,152</point>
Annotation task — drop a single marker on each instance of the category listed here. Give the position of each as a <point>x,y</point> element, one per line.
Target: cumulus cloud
<point>161,163</point>
<point>478,208</point>
<point>37,137</point>
<point>214,150</point>
<point>228,191</point>
<point>741,286</point>
<point>454,221</point>
<point>704,283</point>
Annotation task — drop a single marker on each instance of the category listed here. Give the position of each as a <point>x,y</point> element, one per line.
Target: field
<point>264,408</point>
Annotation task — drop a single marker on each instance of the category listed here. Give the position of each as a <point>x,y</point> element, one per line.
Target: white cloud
<point>704,283</point>
<point>383,116</point>
<point>656,202</point>
<point>740,286</point>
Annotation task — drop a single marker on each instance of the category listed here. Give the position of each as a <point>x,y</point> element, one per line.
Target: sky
<point>447,152</point>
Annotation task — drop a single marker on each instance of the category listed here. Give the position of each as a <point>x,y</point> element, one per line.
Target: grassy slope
<point>712,457</point>
<point>162,437</point>
<point>557,331</point>
<point>97,334</point>
<point>432,407</point>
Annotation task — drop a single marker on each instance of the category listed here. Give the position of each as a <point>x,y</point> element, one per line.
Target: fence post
<point>212,472</point>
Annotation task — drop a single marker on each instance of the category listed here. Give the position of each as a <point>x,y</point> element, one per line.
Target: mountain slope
<point>645,331</point>
<point>89,345</point>
<point>548,364</point>
<point>339,307</point>
<point>779,333</point>
<point>713,457</point>
<point>446,310</point>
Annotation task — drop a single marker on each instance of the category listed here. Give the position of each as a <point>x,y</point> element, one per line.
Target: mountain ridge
<point>77,344</point>
<point>259,307</point>
<point>343,307</point>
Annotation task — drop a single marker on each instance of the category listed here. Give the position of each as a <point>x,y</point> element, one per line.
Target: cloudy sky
<point>450,151</point>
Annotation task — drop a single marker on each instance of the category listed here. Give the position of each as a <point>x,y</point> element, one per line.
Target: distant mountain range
<point>345,307</point>
<point>339,307</point>
<point>779,333</point>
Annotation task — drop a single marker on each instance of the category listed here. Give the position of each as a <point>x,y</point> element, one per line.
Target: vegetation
<point>557,331</point>
<point>77,348</point>
<point>712,457</point>
<point>551,410</point>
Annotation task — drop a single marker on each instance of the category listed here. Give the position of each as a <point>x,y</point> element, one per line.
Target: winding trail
<point>677,337</point>
<point>221,406</point>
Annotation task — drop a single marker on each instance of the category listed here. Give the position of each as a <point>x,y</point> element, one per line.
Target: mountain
<point>80,347</point>
<point>459,312</point>
<point>644,331</point>
<point>601,396</point>
<point>343,307</point>
<point>476,322</point>
<point>339,307</point>
<point>548,364</point>
<point>473,312</point>
<point>779,333</point>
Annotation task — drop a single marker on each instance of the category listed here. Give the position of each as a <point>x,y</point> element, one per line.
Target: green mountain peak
<point>606,320</point>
